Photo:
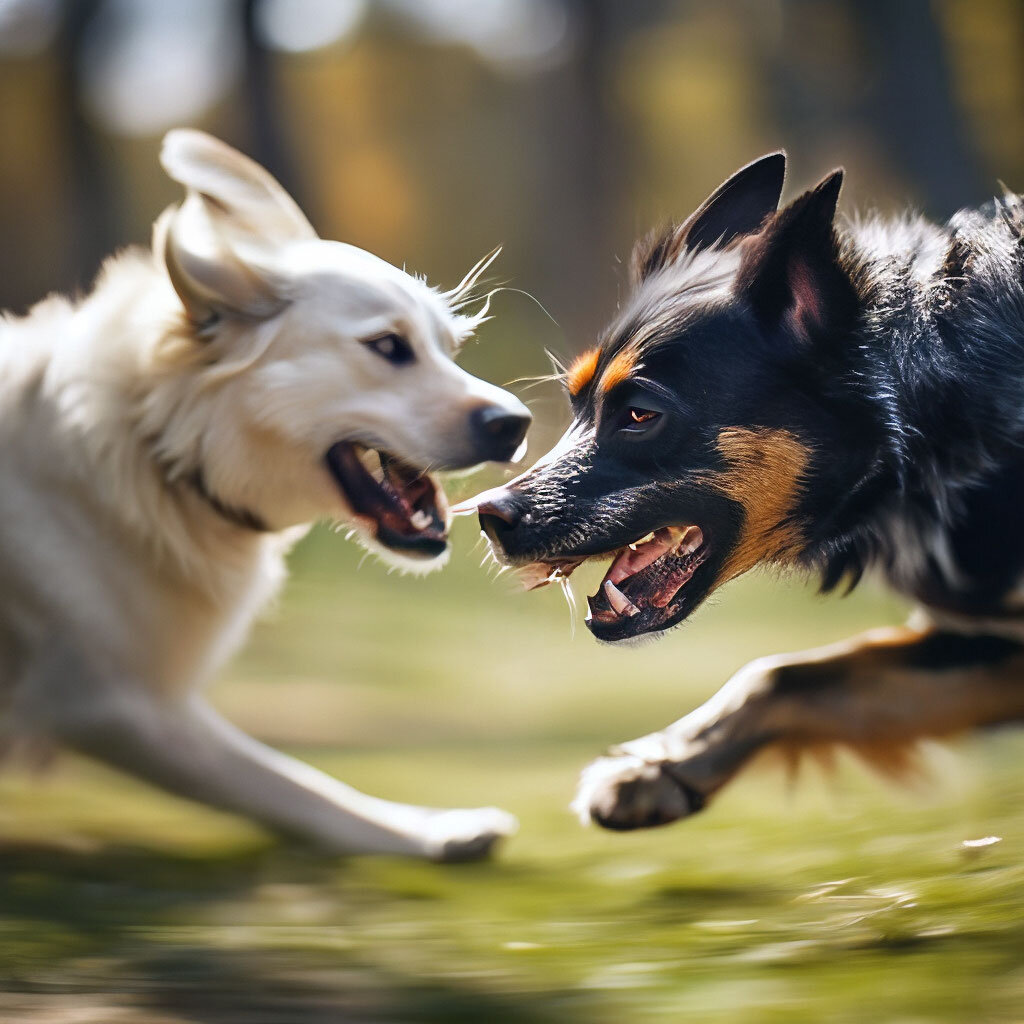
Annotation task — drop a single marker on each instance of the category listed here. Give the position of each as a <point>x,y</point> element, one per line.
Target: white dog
<point>162,443</point>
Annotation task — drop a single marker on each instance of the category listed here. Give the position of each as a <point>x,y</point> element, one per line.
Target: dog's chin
<point>398,512</point>
<point>395,558</point>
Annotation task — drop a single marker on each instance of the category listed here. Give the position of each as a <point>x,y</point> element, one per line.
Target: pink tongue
<point>631,562</point>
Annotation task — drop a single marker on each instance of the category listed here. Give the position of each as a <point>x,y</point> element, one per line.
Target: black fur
<point>892,352</point>
<point>737,207</point>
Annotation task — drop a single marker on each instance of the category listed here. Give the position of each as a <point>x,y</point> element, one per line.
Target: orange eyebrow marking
<point>579,375</point>
<point>619,368</point>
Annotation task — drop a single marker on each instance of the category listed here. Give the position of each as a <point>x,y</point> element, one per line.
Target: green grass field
<point>837,899</point>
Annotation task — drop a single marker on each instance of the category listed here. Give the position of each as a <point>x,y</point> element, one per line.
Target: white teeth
<point>692,539</point>
<point>420,520</point>
<point>370,458</point>
<point>520,453</point>
<point>621,604</point>
<point>643,540</point>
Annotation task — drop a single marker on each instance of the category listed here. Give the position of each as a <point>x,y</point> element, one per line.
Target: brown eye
<point>642,415</point>
<point>636,422</point>
<point>392,347</point>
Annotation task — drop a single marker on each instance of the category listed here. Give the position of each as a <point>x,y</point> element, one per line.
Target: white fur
<point>236,349</point>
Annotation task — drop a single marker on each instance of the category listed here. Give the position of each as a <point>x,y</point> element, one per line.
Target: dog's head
<point>326,376</point>
<point>709,424</point>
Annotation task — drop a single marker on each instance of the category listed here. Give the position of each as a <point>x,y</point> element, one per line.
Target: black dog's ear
<point>791,274</point>
<point>739,206</point>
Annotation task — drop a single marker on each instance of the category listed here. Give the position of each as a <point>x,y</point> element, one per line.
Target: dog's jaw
<point>400,507</point>
<point>362,533</point>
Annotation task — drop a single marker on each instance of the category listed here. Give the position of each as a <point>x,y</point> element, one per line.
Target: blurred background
<point>428,131</point>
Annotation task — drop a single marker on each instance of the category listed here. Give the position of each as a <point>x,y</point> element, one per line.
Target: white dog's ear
<point>219,244</point>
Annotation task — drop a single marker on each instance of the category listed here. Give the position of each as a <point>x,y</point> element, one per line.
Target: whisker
<point>532,298</point>
<point>462,293</point>
<point>532,382</point>
<point>570,599</point>
<point>557,363</point>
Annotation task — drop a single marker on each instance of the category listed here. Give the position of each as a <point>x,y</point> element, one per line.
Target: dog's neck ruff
<point>937,361</point>
<point>243,518</point>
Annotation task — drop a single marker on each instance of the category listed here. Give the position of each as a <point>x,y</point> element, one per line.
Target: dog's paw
<point>625,791</point>
<point>462,835</point>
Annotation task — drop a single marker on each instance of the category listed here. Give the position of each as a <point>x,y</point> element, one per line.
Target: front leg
<point>185,747</point>
<point>877,693</point>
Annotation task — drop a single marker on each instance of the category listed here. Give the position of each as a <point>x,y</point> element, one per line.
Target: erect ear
<point>739,206</point>
<point>791,274</point>
<point>219,243</point>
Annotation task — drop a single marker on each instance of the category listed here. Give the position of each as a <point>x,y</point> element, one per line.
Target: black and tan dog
<point>779,391</point>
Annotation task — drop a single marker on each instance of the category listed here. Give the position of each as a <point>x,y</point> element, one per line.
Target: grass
<point>839,899</point>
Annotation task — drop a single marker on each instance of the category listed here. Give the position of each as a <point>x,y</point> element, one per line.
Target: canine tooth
<point>618,600</point>
<point>420,519</point>
<point>643,540</point>
<point>692,539</point>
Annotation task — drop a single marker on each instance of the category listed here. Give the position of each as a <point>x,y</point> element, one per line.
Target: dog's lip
<point>405,507</point>
<point>640,591</point>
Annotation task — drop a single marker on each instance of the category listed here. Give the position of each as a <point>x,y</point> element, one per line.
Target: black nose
<point>499,517</point>
<point>498,432</point>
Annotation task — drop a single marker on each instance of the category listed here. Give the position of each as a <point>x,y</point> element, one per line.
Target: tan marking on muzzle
<point>765,470</point>
<point>582,370</point>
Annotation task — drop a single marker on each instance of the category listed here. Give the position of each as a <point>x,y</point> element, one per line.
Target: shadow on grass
<point>268,988</point>
<point>124,929</point>
<point>679,903</point>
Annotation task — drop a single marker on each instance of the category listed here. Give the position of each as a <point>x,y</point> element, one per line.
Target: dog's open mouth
<point>643,589</point>
<point>404,507</point>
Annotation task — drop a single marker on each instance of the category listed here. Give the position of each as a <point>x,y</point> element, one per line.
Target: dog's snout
<point>499,516</point>
<point>498,431</point>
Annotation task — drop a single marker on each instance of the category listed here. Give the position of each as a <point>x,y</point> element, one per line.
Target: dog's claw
<point>626,792</point>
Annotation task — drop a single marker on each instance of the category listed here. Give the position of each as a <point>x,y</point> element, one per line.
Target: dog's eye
<point>643,415</point>
<point>638,420</point>
<point>392,347</point>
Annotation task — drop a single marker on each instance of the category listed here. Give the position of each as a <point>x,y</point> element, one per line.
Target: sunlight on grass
<point>834,899</point>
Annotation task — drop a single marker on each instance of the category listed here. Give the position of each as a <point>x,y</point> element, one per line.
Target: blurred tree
<point>261,97</point>
<point>911,100</point>
<point>581,187</point>
<point>92,206</point>
<point>877,76</point>
<point>420,111</point>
